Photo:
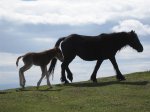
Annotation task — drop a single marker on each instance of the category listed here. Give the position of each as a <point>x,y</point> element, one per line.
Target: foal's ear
<point>57,48</point>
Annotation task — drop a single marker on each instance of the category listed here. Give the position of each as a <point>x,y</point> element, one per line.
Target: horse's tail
<point>18,60</point>
<point>54,60</point>
<point>59,41</point>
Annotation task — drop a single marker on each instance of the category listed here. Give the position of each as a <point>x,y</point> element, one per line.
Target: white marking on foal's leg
<point>21,74</point>
<point>47,77</point>
<point>20,77</point>
<point>42,76</point>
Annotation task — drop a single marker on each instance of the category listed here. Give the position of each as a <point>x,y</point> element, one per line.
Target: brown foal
<point>41,59</point>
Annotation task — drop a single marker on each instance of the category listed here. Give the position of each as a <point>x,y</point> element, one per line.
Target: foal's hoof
<point>50,87</point>
<point>21,89</point>
<point>37,87</point>
<point>22,86</point>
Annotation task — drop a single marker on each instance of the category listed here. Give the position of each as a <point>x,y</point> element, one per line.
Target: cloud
<point>35,25</point>
<point>72,12</point>
<point>131,24</point>
<point>130,54</point>
<point>8,59</point>
<point>45,40</point>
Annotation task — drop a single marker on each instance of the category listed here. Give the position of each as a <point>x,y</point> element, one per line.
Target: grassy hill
<point>109,95</point>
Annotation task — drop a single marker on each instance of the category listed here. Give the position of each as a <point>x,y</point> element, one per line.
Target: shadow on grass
<point>90,84</point>
<point>44,90</point>
<point>4,92</point>
<point>38,90</point>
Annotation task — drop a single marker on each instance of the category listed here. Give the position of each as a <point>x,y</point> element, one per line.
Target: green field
<point>109,95</point>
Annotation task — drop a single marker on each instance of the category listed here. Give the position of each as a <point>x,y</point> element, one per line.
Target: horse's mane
<point>119,39</point>
<point>113,33</point>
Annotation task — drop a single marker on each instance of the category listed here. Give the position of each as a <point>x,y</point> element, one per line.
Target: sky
<point>35,25</point>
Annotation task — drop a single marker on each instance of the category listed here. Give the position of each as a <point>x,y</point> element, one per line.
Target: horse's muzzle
<point>141,49</point>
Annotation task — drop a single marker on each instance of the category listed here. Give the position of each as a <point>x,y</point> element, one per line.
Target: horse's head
<point>59,54</point>
<point>134,42</point>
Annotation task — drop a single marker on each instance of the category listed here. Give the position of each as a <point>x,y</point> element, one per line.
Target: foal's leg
<point>47,77</point>
<point>119,75</point>
<point>42,76</point>
<point>21,74</point>
<point>93,76</point>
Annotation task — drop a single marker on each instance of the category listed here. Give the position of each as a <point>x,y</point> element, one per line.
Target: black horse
<point>89,48</point>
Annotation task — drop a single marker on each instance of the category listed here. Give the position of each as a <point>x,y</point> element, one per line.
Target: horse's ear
<point>132,31</point>
<point>57,48</point>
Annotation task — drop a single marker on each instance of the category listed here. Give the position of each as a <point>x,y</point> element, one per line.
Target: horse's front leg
<point>93,76</point>
<point>119,75</point>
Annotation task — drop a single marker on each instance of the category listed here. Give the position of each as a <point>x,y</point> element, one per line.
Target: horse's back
<point>86,47</point>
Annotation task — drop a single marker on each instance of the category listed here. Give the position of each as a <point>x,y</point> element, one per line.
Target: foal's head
<point>134,41</point>
<point>58,54</point>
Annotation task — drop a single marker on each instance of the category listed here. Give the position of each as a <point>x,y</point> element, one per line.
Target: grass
<point>109,95</point>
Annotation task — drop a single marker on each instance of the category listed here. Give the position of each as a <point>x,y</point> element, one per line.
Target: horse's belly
<point>88,56</point>
<point>94,55</point>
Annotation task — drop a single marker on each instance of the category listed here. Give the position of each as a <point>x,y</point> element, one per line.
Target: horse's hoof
<point>70,78</point>
<point>95,82</point>
<point>122,79</point>
<point>66,82</point>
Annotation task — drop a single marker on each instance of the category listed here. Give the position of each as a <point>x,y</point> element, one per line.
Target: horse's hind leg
<point>119,76</point>
<point>69,74</point>
<point>42,76</point>
<point>21,74</point>
<point>64,67</point>
<point>63,76</point>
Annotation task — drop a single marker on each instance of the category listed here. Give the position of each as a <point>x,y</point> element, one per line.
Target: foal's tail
<point>54,60</point>
<point>18,60</point>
